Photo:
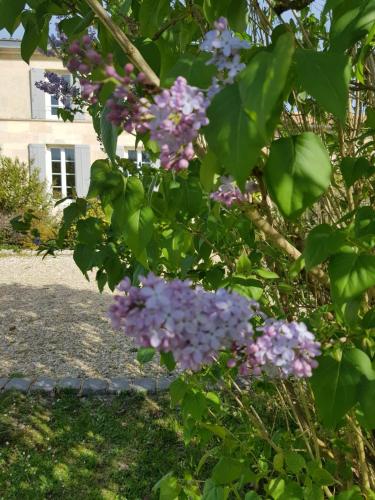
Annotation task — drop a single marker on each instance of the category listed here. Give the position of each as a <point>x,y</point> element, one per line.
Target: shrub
<point>19,188</point>
<point>20,191</point>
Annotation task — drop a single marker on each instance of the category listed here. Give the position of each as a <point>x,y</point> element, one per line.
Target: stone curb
<point>85,387</point>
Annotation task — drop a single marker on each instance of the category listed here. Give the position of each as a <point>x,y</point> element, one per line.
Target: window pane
<point>70,180</point>
<point>145,157</point>
<point>132,155</point>
<point>55,153</point>
<point>56,180</point>
<point>70,168</point>
<point>56,167</point>
<point>69,191</point>
<point>54,101</point>
<point>67,78</point>
<point>69,154</point>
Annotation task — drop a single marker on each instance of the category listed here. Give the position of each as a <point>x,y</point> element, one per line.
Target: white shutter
<point>82,168</point>
<point>120,151</point>
<point>38,160</point>
<point>38,98</point>
<point>80,117</point>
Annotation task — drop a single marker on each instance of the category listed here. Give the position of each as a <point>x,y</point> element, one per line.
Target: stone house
<point>30,129</point>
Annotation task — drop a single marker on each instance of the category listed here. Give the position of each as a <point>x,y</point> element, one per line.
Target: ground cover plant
<point>245,253</point>
<point>70,448</point>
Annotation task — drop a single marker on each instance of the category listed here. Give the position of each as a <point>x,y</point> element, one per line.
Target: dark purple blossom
<point>59,87</point>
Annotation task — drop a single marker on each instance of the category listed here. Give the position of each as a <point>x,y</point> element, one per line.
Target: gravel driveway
<point>53,322</point>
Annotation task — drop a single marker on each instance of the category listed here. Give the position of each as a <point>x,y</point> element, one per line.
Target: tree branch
<point>279,241</point>
<point>131,51</point>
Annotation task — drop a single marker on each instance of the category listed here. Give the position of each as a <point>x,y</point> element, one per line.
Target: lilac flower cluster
<point>281,349</point>
<point>177,115</point>
<point>191,323</point>
<point>225,49</point>
<point>195,325</point>
<point>126,108</point>
<point>227,193</point>
<point>59,87</point>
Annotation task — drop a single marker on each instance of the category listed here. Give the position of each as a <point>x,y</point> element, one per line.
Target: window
<point>139,158</point>
<point>62,169</point>
<point>52,103</point>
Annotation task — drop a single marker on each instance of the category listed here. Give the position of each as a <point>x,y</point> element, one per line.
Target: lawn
<point>87,448</point>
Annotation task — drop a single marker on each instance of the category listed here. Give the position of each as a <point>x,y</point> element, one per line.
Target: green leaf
<point>194,404</point>
<point>251,495</point>
<point>297,173</point>
<point>194,68</point>
<point>83,256</point>
<point>278,462</point>
<point>353,494</point>
<point>237,15</point>
<point>212,491</point>
<point>243,264</point>
<point>151,15</point>
<point>350,22</point>
<point>109,134</point>
<point>232,134</point>
<point>276,488</point>
<point>334,383</point>
<point>168,487</point>
<point>167,360</point>
<point>263,82</point>
<point>9,14</point>
<point>368,320</point>
<point>351,274</point>
<point>353,169</point>
<point>366,397</point>
<point>112,265</point>
<point>138,231</point>
<point>294,462</point>
<point>31,36</point>
<point>321,242</point>
<point>209,167</point>
<point>361,362</point>
<point>325,76</point>
<point>90,231</point>
<point>266,274</point>
<point>364,223</point>
<point>319,475</point>
<point>177,390</point>
<point>145,354</point>
<point>227,470</point>
<point>126,204</point>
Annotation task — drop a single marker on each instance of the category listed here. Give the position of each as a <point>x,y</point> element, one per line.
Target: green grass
<point>91,449</point>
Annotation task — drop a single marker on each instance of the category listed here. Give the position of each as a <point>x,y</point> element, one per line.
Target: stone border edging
<point>84,387</point>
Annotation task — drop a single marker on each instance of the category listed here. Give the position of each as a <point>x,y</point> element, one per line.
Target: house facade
<point>30,129</point>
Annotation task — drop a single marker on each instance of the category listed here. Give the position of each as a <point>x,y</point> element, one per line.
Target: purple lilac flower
<point>177,115</point>
<point>195,325</point>
<point>227,193</point>
<point>190,322</point>
<point>282,349</point>
<point>225,49</point>
<point>57,86</point>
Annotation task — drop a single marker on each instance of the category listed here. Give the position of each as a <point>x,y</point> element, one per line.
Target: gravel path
<point>53,323</point>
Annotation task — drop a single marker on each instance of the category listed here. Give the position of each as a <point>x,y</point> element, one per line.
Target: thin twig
<point>131,51</point>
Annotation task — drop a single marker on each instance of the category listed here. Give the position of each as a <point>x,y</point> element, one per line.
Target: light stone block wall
<point>18,129</point>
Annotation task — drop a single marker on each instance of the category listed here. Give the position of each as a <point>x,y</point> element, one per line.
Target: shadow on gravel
<point>56,331</point>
